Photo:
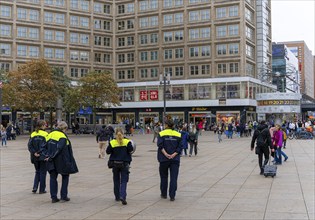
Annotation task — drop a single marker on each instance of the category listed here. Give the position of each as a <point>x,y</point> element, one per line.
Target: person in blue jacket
<point>120,150</point>
<point>35,146</point>
<point>60,160</point>
<point>185,137</point>
<point>169,150</point>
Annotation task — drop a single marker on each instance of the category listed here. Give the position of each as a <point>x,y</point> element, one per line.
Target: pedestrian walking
<point>277,143</point>
<point>169,150</point>
<point>263,140</point>
<point>35,146</point>
<point>156,131</point>
<point>4,136</point>
<point>219,132</point>
<point>102,137</point>
<point>185,138</point>
<point>193,141</point>
<point>60,160</point>
<point>120,150</point>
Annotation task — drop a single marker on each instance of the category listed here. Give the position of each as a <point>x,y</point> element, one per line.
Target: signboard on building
<point>154,94</point>
<point>143,95</point>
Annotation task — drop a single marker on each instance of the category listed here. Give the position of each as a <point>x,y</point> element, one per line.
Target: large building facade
<point>306,66</point>
<point>215,51</point>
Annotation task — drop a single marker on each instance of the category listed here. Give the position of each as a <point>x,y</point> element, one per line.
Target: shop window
<point>233,91</point>
<point>128,95</point>
<point>221,91</point>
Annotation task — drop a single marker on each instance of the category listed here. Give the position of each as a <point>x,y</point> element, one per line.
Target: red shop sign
<point>154,94</point>
<point>143,95</point>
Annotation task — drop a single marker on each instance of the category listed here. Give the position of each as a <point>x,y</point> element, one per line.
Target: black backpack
<point>261,139</point>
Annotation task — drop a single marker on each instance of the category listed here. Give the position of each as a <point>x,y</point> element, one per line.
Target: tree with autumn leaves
<point>97,90</point>
<point>36,87</point>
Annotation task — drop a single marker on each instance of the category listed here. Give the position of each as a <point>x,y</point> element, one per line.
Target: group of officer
<point>53,153</point>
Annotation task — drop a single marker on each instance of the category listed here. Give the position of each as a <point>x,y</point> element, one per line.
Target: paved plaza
<point>221,182</point>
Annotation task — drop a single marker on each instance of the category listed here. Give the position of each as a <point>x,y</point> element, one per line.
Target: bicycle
<point>292,134</point>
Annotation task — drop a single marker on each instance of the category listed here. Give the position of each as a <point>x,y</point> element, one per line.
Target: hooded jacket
<point>262,129</point>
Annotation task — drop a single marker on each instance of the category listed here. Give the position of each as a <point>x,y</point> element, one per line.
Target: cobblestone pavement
<point>221,182</point>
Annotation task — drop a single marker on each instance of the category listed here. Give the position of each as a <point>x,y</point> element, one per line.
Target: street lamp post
<point>164,80</point>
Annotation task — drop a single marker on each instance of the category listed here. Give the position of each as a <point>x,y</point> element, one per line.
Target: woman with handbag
<point>120,150</point>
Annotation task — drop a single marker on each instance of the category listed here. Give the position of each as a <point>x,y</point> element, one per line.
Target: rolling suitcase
<point>270,170</point>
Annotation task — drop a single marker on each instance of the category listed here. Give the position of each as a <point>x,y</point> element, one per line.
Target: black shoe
<point>172,199</point>
<point>124,202</point>
<point>163,196</point>
<point>55,200</point>
<point>43,192</point>
<point>67,199</point>
<point>34,190</point>
<point>286,158</point>
<point>117,200</point>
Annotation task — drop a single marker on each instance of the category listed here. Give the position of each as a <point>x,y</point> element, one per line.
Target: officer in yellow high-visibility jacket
<point>120,150</point>
<point>35,146</point>
<point>169,150</point>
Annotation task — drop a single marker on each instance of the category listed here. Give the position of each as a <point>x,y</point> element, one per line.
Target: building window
<point>130,41</point>
<point>98,7</point>
<point>233,67</point>
<point>179,53</point>
<point>22,32</point>
<point>154,38</point>
<point>154,55</point>
<point>250,69</point>
<point>22,13</point>
<point>221,31</point>
<point>107,58</point>
<point>249,15</point>
<point>194,52</point>
<point>84,22</point>
<point>249,51</point>
<point>34,33</point>
<point>168,54</point>
<point>144,56</point>
<point>5,11</point>
<point>48,35</point>
<point>121,42</point>
<point>5,67</point>
<point>34,15</point>
<point>179,35</point>
<point>233,11</point>
<point>143,73</point>
<point>233,30</point>
<point>179,71</point>
<point>130,24</point>
<point>74,55</point>
<point>221,68</point>
<point>221,49</point>
<point>97,57</point>
<point>121,74</point>
<point>179,18</point>
<point>107,25</point>
<point>74,72</point>
<point>84,5</point>
<point>233,48</point>
<point>205,69</point>
<point>97,40</point>
<point>168,71</point>
<point>74,38</point>
<point>21,50</point>
<point>107,9</point>
<point>60,36</point>
<point>107,41</point>
<point>121,58</point>
<point>130,8</point>
<point>60,54</point>
<point>205,51</point>
<point>194,70</point>
<point>60,18</point>
<point>143,39</point>
<point>130,74</point>
<point>5,30</point>
<point>74,21</point>
<point>220,13</point>
<point>33,51</point>
<point>130,57</point>
<point>84,39</point>
<point>121,25</point>
<point>84,56</point>
<point>5,49</point>
<point>48,17</point>
<point>84,72</point>
<point>49,53</point>
<point>249,33</point>
<point>168,19</point>
<point>168,36</point>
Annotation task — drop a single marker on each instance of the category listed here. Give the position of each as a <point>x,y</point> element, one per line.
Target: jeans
<point>120,179</point>
<point>278,153</point>
<point>40,176</point>
<point>4,141</point>
<point>54,185</point>
<point>284,155</point>
<point>173,166</point>
<point>193,145</point>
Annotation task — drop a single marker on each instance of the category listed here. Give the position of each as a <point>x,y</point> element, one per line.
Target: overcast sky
<point>294,20</point>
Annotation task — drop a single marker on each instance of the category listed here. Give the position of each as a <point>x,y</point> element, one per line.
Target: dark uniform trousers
<point>263,151</point>
<point>40,175</point>
<point>120,178</point>
<point>173,166</point>
<point>54,185</point>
